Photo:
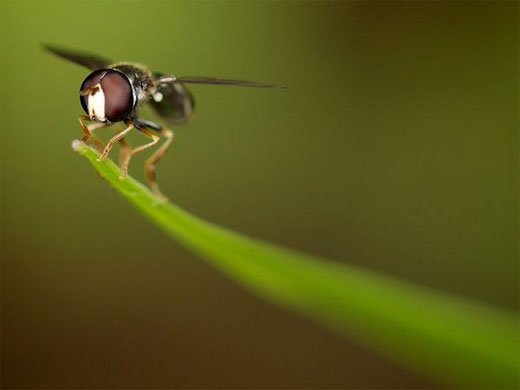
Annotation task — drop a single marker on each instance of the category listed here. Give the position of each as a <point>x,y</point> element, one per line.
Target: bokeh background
<point>395,148</point>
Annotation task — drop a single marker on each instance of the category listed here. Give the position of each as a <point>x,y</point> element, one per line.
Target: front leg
<point>88,131</point>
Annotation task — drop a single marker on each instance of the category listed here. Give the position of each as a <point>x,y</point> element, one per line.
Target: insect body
<point>113,92</point>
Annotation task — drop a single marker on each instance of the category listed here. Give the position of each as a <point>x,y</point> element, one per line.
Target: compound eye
<point>107,95</point>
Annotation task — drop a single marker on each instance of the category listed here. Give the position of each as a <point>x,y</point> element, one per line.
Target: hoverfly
<point>113,92</point>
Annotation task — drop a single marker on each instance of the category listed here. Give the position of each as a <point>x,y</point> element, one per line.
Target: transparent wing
<point>218,81</point>
<point>173,102</point>
<point>88,60</point>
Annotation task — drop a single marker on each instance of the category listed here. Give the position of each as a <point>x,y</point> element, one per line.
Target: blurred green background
<point>395,149</point>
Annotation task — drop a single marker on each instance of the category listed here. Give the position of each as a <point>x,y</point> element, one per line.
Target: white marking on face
<point>96,104</point>
<point>158,97</point>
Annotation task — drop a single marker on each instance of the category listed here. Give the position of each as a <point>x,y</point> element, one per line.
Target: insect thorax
<point>140,76</point>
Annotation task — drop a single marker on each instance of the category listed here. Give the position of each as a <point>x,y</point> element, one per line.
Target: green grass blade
<point>455,340</point>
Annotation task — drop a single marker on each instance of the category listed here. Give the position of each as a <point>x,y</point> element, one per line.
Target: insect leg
<point>149,166</point>
<point>124,150</point>
<point>88,131</point>
<point>113,140</point>
<point>126,160</point>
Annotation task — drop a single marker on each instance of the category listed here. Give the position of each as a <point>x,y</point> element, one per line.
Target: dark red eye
<point>107,95</point>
